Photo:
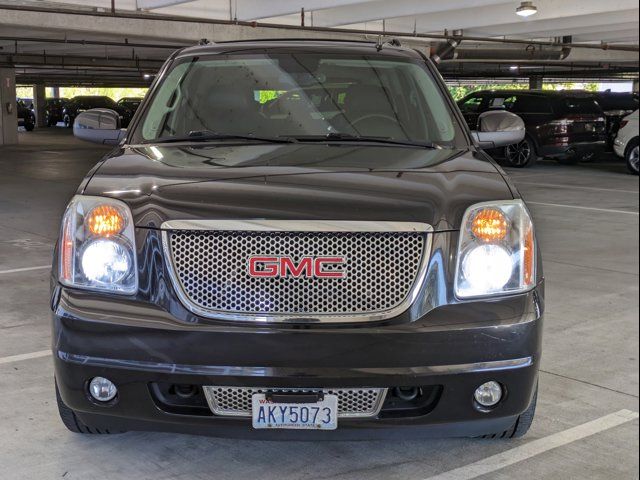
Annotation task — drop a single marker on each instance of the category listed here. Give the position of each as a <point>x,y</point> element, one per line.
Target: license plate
<point>321,415</point>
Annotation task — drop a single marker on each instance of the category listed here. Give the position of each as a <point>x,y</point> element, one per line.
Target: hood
<point>297,182</point>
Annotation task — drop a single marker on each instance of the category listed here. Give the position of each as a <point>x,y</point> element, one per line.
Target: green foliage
<point>24,92</point>
<point>68,92</point>
<point>114,93</point>
<point>265,96</point>
<point>460,91</point>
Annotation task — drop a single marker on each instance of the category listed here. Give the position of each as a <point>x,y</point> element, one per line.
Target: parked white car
<point>626,143</point>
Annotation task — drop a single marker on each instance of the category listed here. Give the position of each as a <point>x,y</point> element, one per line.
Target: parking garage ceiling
<point>118,42</point>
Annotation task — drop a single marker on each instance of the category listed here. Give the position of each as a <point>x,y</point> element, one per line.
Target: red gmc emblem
<point>309,267</point>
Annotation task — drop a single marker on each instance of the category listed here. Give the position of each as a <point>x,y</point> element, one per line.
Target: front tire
<point>632,156</point>
<point>520,155</point>
<point>522,424</point>
<point>74,424</point>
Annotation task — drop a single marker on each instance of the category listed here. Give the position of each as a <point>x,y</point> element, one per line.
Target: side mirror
<point>499,128</point>
<point>99,125</point>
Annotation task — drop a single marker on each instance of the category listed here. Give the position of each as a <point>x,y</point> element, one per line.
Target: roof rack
<point>394,42</point>
<point>265,40</point>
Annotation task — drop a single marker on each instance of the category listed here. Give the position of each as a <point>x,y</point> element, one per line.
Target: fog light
<point>102,389</point>
<point>488,394</point>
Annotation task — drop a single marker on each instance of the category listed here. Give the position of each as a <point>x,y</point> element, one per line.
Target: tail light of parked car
<point>97,247</point>
<point>577,123</point>
<point>496,250</point>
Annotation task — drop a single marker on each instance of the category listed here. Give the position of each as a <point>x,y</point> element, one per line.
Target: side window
<point>505,103</point>
<point>532,104</point>
<point>472,105</point>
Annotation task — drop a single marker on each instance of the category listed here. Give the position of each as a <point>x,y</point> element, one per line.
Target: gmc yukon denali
<point>298,239</point>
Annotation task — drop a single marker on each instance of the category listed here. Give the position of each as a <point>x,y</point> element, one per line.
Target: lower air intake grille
<point>352,402</point>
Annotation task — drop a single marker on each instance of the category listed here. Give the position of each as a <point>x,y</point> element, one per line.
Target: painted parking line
<point>26,269</point>
<point>536,447</point>
<point>576,187</point>
<point>24,356</point>
<point>583,208</point>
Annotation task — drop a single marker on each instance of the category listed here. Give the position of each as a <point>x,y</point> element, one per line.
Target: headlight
<point>496,251</point>
<point>97,246</point>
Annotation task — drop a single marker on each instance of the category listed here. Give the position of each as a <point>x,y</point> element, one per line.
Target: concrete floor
<point>589,369</point>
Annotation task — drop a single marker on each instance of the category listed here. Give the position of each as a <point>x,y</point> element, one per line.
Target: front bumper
<point>620,146</point>
<point>449,351</point>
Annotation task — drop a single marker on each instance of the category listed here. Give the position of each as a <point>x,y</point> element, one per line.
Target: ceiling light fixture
<point>526,9</point>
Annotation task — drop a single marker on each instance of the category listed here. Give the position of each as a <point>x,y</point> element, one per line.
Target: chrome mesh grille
<point>380,269</point>
<point>352,402</point>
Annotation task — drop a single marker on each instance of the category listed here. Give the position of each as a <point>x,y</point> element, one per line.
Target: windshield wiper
<point>346,137</point>
<point>208,135</point>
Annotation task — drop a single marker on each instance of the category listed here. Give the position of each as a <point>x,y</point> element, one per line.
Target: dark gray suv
<point>298,239</point>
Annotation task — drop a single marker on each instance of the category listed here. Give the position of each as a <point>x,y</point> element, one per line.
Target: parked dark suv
<point>344,263</point>
<point>566,126</point>
<point>127,108</point>
<point>54,108</point>
<point>83,103</point>
<point>26,115</point>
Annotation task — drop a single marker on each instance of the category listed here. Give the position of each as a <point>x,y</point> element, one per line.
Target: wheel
<point>74,424</point>
<point>521,154</point>
<point>67,121</point>
<point>632,156</point>
<point>28,126</point>
<point>522,423</point>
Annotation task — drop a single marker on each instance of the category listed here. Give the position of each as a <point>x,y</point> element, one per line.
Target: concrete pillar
<point>56,92</point>
<point>535,82</point>
<point>39,101</point>
<point>8,107</point>
<point>636,86</point>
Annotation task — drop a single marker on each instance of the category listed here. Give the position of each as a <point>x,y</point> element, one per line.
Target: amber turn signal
<point>105,221</point>
<point>489,225</point>
<point>529,258</point>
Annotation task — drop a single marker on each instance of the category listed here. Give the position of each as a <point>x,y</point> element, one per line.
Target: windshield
<point>299,96</point>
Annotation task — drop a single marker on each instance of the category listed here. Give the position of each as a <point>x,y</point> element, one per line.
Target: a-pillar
<point>39,104</point>
<point>8,107</point>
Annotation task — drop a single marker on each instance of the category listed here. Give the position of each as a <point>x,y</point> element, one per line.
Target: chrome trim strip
<point>213,404</point>
<point>478,367</point>
<point>299,226</point>
<point>260,225</point>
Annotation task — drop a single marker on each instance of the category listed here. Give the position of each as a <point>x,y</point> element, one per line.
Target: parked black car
<point>616,106</point>
<point>83,103</point>
<point>357,264</point>
<point>54,108</point>
<point>127,108</point>
<point>26,116</point>
<point>567,126</point>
